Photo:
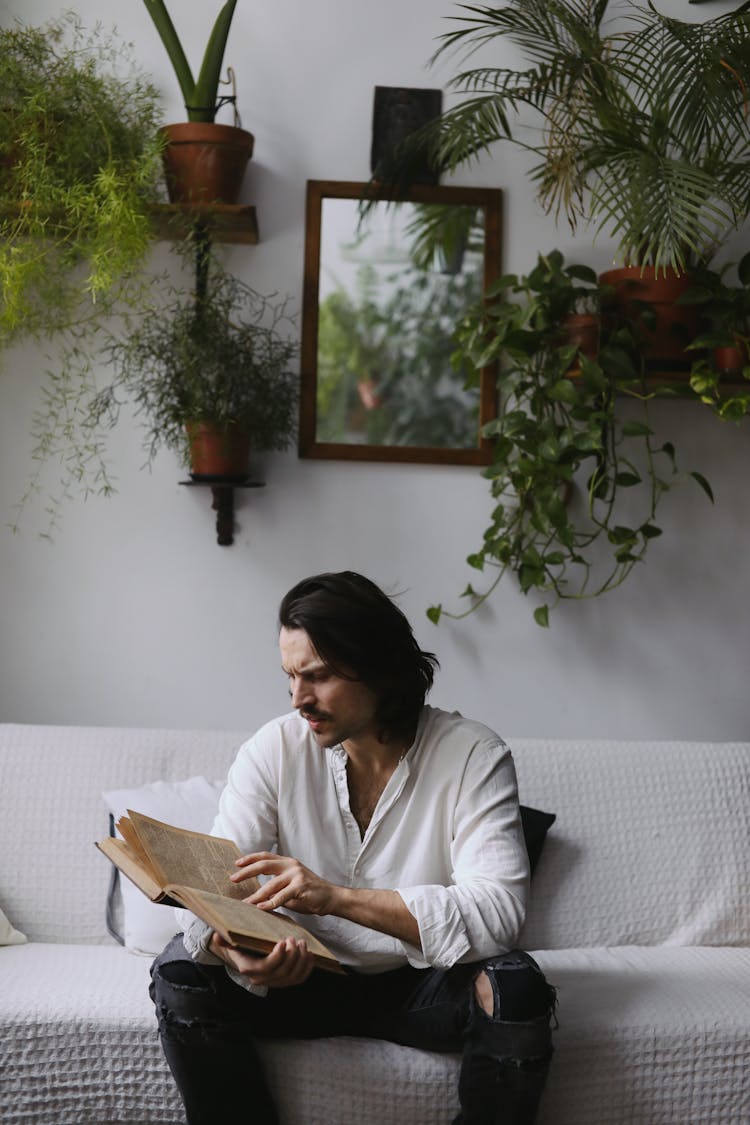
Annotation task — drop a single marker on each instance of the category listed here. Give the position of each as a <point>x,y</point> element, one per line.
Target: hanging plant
<point>79,167</point>
<point>577,473</point>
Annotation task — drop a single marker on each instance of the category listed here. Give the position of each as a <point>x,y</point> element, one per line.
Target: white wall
<point>134,615</point>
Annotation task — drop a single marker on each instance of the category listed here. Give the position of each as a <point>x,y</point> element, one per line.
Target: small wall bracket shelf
<point>222,491</point>
<point>226,222</point>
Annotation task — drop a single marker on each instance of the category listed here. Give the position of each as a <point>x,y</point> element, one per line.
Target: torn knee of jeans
<point>182,974</point>
<point>485,994</point>
<point>189,1028</point>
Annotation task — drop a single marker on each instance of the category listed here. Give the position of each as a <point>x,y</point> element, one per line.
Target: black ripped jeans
<point>207,1025</point>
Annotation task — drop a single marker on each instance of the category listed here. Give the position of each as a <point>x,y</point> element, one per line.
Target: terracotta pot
<point>582,331</point>
<point>217,452</point>
<point>731,359</point>
<point>675,325</point>
<point>205,162</point>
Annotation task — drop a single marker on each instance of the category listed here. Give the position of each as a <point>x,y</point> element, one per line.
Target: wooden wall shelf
<point>222,491</point>
<point>225,222</point>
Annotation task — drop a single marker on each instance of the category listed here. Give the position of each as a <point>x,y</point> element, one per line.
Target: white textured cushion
<point>9,935</point>
<point>52,778</point>
<point>192,803</point>
<point>650,845</point>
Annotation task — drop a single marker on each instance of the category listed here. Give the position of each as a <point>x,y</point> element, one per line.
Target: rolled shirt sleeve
<point>482,908</point>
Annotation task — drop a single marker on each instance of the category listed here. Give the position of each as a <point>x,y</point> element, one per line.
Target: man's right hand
<point>289,962</point>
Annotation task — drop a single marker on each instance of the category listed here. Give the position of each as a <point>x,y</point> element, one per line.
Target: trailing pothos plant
<point>577,472</point>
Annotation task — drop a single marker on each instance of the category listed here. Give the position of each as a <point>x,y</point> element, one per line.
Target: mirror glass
<point>385,286</point>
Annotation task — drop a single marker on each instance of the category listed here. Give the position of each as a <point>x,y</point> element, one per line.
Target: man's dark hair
<point>361,634</point>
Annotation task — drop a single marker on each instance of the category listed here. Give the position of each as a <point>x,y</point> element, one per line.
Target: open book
<point>191,869</point>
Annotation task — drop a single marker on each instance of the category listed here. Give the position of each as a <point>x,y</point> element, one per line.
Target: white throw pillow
<point>9,935</point>
<point>192,803</point>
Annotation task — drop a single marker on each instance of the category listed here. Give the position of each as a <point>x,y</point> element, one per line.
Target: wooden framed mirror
<point>384,288</point>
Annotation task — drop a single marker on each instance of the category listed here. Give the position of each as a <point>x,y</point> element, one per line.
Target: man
<point>391,830</point>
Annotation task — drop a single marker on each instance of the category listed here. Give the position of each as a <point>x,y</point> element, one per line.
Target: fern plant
<point>641,128</point>
<point>79,167</point>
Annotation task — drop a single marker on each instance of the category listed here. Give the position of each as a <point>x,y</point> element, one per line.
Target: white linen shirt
<point>446,834</point>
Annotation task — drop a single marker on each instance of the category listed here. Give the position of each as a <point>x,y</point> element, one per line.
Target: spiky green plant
<point>641,127</point>
<point>201,95</point>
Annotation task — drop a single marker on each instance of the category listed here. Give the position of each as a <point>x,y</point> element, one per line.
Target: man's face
<point>337,710</point>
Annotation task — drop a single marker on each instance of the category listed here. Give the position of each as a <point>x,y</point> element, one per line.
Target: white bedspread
<point>676,1011</point>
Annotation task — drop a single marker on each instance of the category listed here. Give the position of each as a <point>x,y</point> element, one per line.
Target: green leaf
<point>649,531</point>
<point>734,409</point>
<point>636,429</point>
<point>541,616</point>
<point>620,534</point>
<point>476,560</point>
<point>627,480</point>
<point>556,512</point>
<point>743,269</point>
<point>563,391</point>
<point>704,484</point>
<point>434,613</point>
<point>549,449</point>
<point>582,273</point>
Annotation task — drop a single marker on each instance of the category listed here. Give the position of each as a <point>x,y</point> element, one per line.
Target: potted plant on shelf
<point>79,168</point>
<point>641,129</point>
<point>204,160</point>
<point>209,372</point>
<point>573,459</point>
<point>724,349</point>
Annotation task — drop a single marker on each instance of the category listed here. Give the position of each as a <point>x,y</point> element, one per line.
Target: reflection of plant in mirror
<point>443,233</point>
<point>576,472</point>
<point>384,370</point>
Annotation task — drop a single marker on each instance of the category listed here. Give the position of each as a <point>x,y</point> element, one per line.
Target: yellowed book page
<point>119,852</point>
<point>129,834</point>
<point>191,859</point>
<point>246,925</point>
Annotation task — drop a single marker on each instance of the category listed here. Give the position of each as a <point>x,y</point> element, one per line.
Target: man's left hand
<point>292,884</point>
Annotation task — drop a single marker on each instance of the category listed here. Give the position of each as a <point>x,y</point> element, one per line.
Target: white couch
<point>640,916</point>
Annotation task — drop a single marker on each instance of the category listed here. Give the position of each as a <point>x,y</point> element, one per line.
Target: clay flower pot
<point>205,162</point>
<point>216,452</point>
<point>730,360</point>
<point>674,325</point>
<point>582,331</point>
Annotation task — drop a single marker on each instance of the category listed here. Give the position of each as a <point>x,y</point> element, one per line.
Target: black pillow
<point>535,826</point>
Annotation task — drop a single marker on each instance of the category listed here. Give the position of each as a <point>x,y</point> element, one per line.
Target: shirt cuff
<point>441,927</point>
<point>196,939</point>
